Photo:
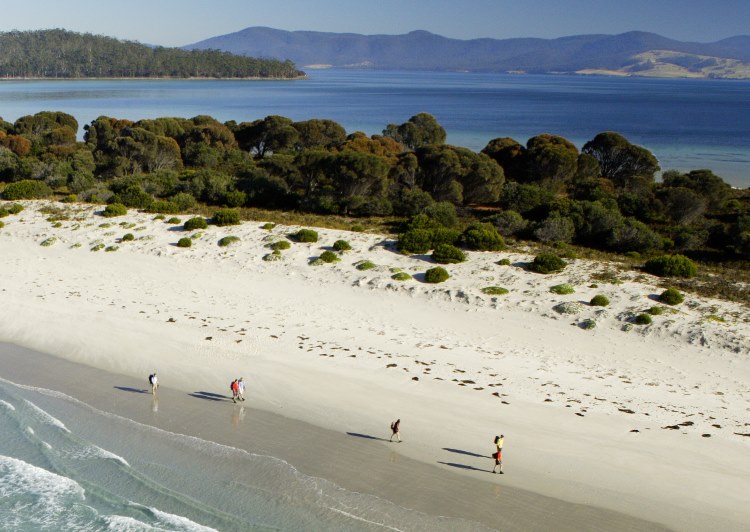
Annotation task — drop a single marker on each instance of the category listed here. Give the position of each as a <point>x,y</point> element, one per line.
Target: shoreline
<point>646,422</point>
<point>360,463</point>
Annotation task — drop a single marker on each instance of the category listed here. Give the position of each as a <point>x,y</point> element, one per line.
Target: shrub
<point>562,289</point>
<point>49,242</point>
<point>128,237</point>
<point>114,209</point>
<point>159,217</point>
<point>15,208</point>
<point>643,319</point>
<point>342,245</point>
<point>228,240</point>
<point>655,311</point>
<point>184,242</point>
<point>174,220</point>
<point>111,248</point>
<point>224,217</point>
<point>504,262</point>
<point>494,290</point>
<point>70,198</point>
<point>3,212</point>
<point>97,247</point>
<point>671,266</point>
<point>599,301</point>
<point>415,241</point>
<point>273,257</point>
<point>587,324</point>
<point>358,228</point>
<point>305,235</point>
<point>447,254</point>
<point>329,257</point>
<point>183,201</point>
<point>436,275</point>
<point>195,223</point>
<point>26,189</point>
<point>280,245</point>
<point>164,206</point>
<point>365,265</point>
<point>268,226</point>
<point>483,237</point>
<point>235,198</point>
<point>547,263</point>
<point>2,224</point>
<point>670,296</point>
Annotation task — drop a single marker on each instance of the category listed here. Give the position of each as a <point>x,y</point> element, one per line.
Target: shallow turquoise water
<point>688,124</point>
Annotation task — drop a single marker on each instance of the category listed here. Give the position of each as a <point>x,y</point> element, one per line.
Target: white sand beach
<point>648,421</point>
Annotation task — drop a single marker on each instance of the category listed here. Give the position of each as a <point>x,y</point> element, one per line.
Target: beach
<point>617,427</point>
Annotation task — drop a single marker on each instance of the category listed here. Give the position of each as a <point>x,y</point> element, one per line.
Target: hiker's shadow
<point>464,466</point>
<point>365,436</point>
<point>129,389</point>
<point>208,396</point>
<point>467,453</point>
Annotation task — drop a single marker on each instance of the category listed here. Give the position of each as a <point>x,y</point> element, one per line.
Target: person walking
<point>396,430</point>
<point>498,455</point>
<point>154,382</point>
<point>235,390</point>
<point>241,389</point>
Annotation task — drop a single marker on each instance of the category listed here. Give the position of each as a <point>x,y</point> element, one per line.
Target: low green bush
<point>415,241</point>
<point>174,220</point>
<point>114,209</point>
<point>2,224</point>
<point>224,217</point>
<point>159,217</point>
<point>26,189</point>
<point>329,256</point>
<point>273,257</point>
<point>671,266</point>
<point>128,237</point>
<point>97,247</point>
<point>562,289</point>
<point>655,311</point>
<point>494,290</point>
<point>305,235</point>
<point>643,319</point>
<point>448,254</point>
<point>358,228</point>
<point>15,208</point>
<point>49,242</point>
<point>111,248</point>
<point>401,276</point>
<point>280,245</point>
<point>196,223</point>
<point>4,212</point>
<point>504,262</point>
<point>228,240</point>
<point>436,275</point>
<point>547,263</point>
<point>670,296</point>
<point>599,301</point>
<point>163,206</point>
<point>483,237</point>
<point>342,245</point>
<point>268,226</point>
<point>184,242</point>
<point>365,265</point>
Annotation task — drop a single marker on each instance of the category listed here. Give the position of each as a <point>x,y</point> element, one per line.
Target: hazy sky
<point>180,22</point>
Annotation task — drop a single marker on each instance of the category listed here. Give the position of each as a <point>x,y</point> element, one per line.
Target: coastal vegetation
<point>605,198</point>
<point>64,54</point>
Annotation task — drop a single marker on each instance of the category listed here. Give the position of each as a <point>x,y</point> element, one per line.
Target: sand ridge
<point>349,350</point>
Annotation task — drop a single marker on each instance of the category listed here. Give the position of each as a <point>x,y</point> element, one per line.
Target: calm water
<point>65,465</point>
<point>688,124</point>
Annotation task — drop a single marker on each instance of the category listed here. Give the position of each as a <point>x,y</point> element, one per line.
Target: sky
<point>181,22</point>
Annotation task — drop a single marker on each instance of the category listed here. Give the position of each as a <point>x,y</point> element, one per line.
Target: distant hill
<point>65,54</point>
<point>633,53</point>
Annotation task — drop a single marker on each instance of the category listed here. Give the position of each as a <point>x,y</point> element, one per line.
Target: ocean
<point>67,465</point>
<point>687,124</point>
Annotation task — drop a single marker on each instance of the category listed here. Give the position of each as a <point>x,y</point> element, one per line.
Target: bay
<point>687,124</point>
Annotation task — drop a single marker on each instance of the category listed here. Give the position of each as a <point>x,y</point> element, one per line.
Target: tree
<point>481,178</point>
<point>551,160</point>
<point>270,135</point>
<point>357,179</point>
<point>510,155</point>
<point>705,183</point>
<point>619,160</point>
<point>682,205</point>
<point>420,130</point>
<point>318,133</point>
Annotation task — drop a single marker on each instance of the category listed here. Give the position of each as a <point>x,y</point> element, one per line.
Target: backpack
<point>231,385</point>
<point>151,379</point>
<point>393,424</point>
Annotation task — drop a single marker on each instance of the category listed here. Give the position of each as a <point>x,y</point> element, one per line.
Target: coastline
<point>360,463</point>
<point>587,414</point>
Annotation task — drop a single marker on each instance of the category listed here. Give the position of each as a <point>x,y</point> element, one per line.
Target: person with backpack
<point>241,389</point>
<point>154,382</point>
<point>498,455</point>
<point>396,430</point>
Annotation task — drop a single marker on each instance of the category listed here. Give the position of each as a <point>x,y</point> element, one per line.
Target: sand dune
<point>646,420</point>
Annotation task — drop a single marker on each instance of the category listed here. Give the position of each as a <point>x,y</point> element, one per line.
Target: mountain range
<point>627,54</point>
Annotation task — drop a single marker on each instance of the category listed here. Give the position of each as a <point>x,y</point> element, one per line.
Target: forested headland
<point>65,54</point>
<point>605,196</point>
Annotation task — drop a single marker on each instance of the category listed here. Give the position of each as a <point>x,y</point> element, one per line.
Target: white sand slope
<point>648,420</point>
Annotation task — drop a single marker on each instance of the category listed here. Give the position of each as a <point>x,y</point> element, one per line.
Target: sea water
<point>65,465</point>
<point>687,124</point>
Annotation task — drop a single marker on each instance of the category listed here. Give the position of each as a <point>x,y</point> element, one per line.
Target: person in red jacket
<point>235,390</point>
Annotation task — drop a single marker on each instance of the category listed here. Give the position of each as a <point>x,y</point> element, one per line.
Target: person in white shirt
<point>241,389</point>
<point>154,382</point>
